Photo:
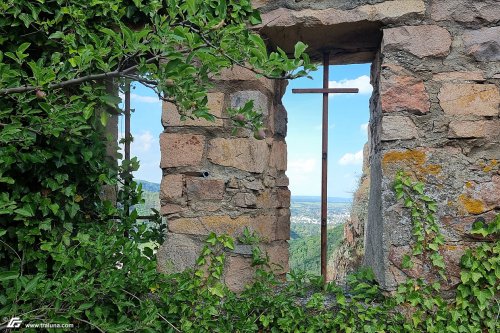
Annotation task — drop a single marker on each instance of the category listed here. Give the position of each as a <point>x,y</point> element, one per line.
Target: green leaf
<point>9,275</point>
<point>299,49</point>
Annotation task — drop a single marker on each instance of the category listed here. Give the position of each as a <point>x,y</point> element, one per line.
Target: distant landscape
<point>304,230</point>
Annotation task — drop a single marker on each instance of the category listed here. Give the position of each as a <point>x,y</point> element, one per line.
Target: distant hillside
<point>149,186</point>
<point>301,198</point>
<point>305,246</point>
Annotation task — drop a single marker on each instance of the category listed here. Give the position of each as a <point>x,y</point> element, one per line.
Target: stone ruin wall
<point>434,113</point>
<point>246,186</point>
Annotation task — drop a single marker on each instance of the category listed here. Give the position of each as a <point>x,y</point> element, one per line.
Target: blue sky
<point>348,119</point>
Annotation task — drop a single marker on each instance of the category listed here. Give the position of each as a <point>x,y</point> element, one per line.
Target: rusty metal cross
<point>324,173</point>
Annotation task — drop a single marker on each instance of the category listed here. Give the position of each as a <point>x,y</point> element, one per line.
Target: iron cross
<point>324,173</point>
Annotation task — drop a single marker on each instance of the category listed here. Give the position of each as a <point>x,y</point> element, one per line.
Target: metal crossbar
<point>324,172</point>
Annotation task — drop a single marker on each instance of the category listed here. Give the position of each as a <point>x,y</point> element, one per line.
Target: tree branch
<point>92,77</point>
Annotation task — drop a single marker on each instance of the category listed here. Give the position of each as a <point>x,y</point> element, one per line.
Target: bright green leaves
<point>423,216</point>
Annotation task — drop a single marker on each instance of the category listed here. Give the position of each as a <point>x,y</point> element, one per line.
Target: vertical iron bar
<point>127,121</point>
<point>128,175</point>
<point>324,167</point>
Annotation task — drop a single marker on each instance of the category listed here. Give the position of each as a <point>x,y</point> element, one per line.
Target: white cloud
<point>141,99</point>
<point>362,83</point>
<point>363,127</point>
<point>142,142</point>
<point>302,166</point>
<point>352,158</point>
<point>304,175</point>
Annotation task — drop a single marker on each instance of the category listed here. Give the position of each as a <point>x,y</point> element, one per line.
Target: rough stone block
<point>403,93</point>
<point>398,128</point>
<point>204,189</point>
<point>283,196</point>
<point>245,200</point>
<point>223,224</point>
<point>181,149</point>
<point>459,76</point>
<point>283,225</point>
<point>278,256</point>
<point>178,253</point>
<point>465,10</point>
<point>255,185</point>
<point>393,9</point>
<point>171,187</point>
<point>188,226</point>
<point>469,99</point>
<point>260,102</point>
<point>483,44</point>
<point>238,273</point>
<point>170,115</point>
<point>489,192</point>
<point>278,158</point>
<point>474,129</point>
<point>238,73</point>
<point>168,209</point>
<point>245,154</point>
<point>421,41</point>
<point>280,121</point>
<point>282,181</point>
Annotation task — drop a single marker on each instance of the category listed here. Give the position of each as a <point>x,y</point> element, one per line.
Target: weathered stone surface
<point>238,73</point>
<point>245,200</point>
<point>483,44</point>
<point>474,129</point>
<point>280,121</point>
<point>469,99</point>
<point>403,93</point>
<point>490,192</point>
<point>170,115</point>
<point>282,17</point>
<point>459,76</point>
<point>171,187</point>
<point>283,196</point>
<point>204,189</point>
<point>393,9</point>
<point>421,41</point>
<point>282,181</point>
<point>264,225</point>
<point>178,253</point>
<point>181,149</point>
<point>238,273</point>
<point>244,154</point>
<point>278,256</point>
<point>260,102</point>
<point>398,128</point>
<point>278,155</point>
<point>170,209</point>
<point>283,225</point>
<point>465,10</point>
<point>255,184</point>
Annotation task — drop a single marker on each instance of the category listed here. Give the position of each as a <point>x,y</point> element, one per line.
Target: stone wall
<point>434,114</point>
<point>246,186</point>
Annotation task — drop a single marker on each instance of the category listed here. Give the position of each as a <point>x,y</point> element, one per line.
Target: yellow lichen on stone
<point>432,169</point>
<point>413,159</point>
<point>468,184</point>
<point>490,166</point>
<point>471,205</point>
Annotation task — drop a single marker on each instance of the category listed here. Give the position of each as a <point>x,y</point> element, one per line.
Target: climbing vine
<point>425,229</point>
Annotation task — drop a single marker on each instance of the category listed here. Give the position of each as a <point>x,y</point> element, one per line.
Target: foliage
<point>68,256</point>
<point>62,63</point>
<point>423,216</point>
<point>305,249</point>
